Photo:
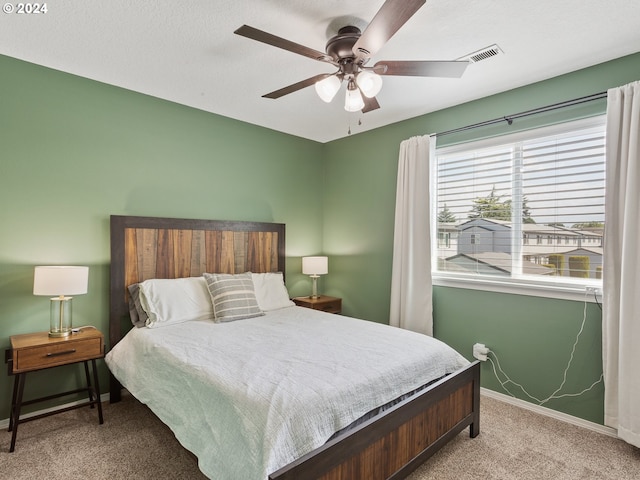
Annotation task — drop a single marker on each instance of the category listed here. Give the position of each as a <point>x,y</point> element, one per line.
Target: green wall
<point>532,336</point>
<point>533,339</point>
<point>74,151</point>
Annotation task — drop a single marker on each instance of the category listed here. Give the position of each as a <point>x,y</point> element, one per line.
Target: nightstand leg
<point>14,396</point>
<point>86,374</point>
<point>97,387</point>
<point>15,411</point>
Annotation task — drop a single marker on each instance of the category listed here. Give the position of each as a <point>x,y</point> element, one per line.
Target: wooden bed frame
<point>388,446</point>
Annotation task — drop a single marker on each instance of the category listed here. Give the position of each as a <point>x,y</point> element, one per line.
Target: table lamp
<point>60,281</point>
<point>314,267</point>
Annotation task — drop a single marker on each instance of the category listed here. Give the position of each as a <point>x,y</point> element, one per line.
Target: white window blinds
<point>529,206</point>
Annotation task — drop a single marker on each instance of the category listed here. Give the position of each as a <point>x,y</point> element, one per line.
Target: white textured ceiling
<point>185,51</point>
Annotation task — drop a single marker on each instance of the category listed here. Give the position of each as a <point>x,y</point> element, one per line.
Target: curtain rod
<point>509,118</point>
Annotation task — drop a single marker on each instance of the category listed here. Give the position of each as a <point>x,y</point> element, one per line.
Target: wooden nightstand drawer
<point>57,354</point>
<point>323,302</point>
<point>333,306</point>
<point>38,350</point>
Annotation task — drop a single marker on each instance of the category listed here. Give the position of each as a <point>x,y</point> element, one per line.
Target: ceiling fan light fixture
<point>350,50</point>
<point>370,83</point>
<point>353,100</point>
<point>327,88</point>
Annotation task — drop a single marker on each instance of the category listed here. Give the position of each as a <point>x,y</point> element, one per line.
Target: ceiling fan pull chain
<point>359,123</point>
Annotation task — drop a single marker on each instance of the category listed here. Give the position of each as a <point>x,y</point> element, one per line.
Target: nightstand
<point>323,302</point>
<point>32,352</point>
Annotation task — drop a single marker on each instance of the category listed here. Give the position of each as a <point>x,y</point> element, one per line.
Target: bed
<point>364,444</point>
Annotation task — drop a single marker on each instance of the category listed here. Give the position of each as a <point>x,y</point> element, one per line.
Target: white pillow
<point>176,300</point>
<point>271,292</point>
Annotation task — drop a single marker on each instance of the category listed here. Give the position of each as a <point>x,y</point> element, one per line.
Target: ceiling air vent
<point>483,54</point>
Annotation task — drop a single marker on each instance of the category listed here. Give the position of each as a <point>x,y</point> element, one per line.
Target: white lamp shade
<point>60,280</point>
<point>353,101</point>
<point>327,88</point>
<point>370,83</point>
<point>315,265</point>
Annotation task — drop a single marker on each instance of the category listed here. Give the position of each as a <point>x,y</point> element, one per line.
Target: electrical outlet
<point>593,290</point>
<point>480,352</point>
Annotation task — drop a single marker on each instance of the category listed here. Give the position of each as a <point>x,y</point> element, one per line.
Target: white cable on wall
<point>554,395</point>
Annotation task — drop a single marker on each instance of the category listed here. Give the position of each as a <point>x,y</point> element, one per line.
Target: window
<point>444,239</point>
<point>538,198</point>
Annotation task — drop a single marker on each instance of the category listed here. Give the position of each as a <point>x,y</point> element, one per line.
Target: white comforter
<point>250,396</point>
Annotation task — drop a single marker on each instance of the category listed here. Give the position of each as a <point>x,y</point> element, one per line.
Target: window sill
<point>578,293</point>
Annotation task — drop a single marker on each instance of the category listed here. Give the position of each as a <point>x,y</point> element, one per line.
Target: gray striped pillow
<point>233,296</point>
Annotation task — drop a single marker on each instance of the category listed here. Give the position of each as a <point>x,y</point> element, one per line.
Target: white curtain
<point>411,304</point>
<point>621,304</point>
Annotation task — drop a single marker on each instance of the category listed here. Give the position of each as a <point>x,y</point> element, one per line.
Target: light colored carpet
<point>518,444</point>
<point>133,444</point>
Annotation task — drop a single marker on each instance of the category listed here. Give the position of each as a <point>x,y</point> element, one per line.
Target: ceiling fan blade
<point>296,86</point>
<point>452,69</point>
<point>370,104</point>
<point>392,15</point>
<point>269,39</point>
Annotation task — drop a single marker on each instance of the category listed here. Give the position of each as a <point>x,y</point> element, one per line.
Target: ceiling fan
<point>350,50</point>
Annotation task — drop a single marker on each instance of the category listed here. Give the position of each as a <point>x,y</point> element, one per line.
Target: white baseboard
<point>595,427</point>
<point>4,423</point>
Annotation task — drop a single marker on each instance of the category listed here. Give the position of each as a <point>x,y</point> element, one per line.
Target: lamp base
<point>60,334</point>
<point>314,286</point>
<point>60,323</point>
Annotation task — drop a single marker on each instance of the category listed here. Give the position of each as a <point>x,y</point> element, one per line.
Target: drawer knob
<point>65,352</point>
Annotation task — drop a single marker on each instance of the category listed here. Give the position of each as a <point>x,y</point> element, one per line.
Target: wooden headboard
<point>152,247</point>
